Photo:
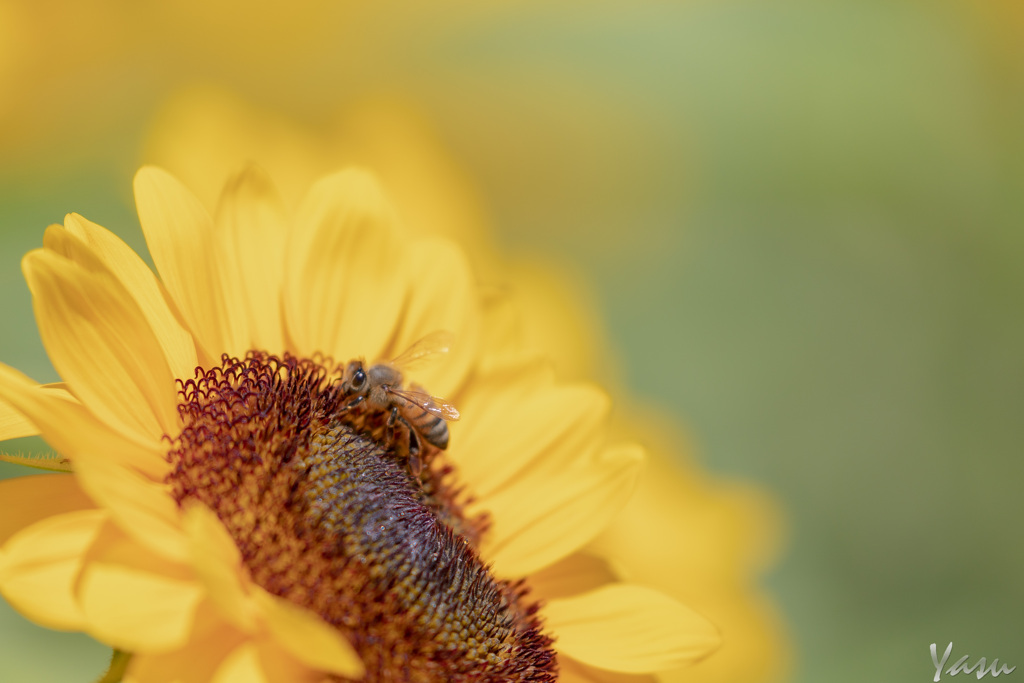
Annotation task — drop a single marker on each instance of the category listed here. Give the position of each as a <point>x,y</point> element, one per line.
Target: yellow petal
<point>144,287</point>
<point>557,315</point>
<point>40,565</point>
<point>515,424</point>
<point>628,628</point>
<point>578,573</point>
<point>74,431</point>
<point>141,507</point>
<point>552,512</point>
<point>102,345</point>
<point>736,526</point>
<point>251,228</point>
<point>280,666</point>
<point>210,642</point>
<point>14,425</point>
<point>114,545</point>
<point>181,240</point>
<point>27,500</point>
<point>265,661</point>
<point>241,666</point>
<point>571,671</point>
<point>218,565</point>
<point>115,473</point>
<point>137,610</point>
<point>344,283</point>
<point>308,637</point>
<point>202,132</point>
<point>432,192</point>
<point>442,297</point>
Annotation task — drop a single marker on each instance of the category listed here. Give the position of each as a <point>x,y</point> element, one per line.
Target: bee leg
<point>415,462</point>
<point>392,418</point>
<point>353,403</point>
<point>414,440</point>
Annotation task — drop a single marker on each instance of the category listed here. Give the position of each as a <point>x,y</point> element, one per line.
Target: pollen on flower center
<point>327,513</point>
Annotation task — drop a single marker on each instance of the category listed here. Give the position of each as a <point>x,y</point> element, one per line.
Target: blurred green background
<point>803,224</point>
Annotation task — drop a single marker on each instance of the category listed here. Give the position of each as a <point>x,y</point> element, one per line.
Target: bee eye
<point>358,380</point>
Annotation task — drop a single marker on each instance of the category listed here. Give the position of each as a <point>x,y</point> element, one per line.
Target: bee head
<point>354,380</point>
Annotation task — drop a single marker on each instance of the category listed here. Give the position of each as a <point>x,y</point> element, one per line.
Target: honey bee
<point>379,386</point>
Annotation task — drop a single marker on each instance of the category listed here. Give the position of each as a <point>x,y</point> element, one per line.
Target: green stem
<point>118,665</point>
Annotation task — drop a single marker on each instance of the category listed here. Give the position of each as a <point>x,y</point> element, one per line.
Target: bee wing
<point>432,404</point>
<point>431,345</point>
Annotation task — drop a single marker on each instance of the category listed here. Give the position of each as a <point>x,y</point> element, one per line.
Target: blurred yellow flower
<point>701,540</point>
<point>244,508</point>
<point>118,59</point>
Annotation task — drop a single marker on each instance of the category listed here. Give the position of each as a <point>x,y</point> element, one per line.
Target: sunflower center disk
<point>327,513</point>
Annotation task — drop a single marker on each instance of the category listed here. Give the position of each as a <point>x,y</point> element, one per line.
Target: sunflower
<point>700,538</point>
<point>244,506</point>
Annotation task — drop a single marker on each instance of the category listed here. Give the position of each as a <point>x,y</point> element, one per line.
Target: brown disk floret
<point>326,512</point>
